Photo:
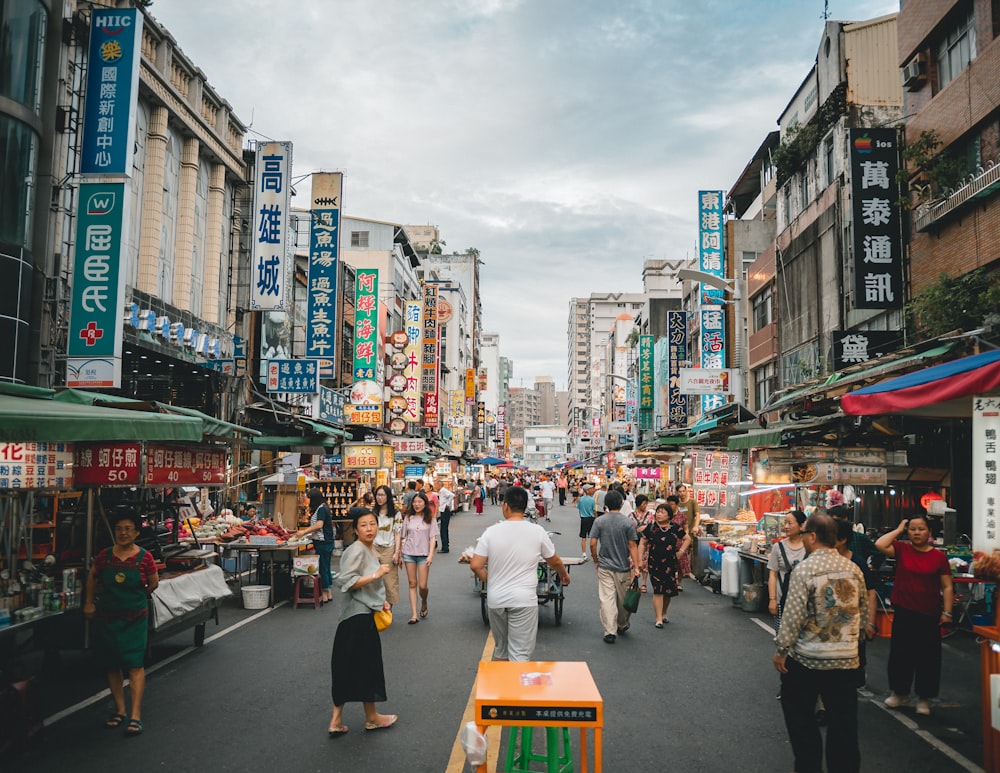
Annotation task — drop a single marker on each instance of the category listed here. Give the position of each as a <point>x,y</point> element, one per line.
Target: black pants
<point>799,689</point>
<point>443,520</point>
<point>562,497</point>
<point>915,654</point>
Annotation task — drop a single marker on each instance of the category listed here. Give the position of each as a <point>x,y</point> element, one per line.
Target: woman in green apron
<point>121,578</point>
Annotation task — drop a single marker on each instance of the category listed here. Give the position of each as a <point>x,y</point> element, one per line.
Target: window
<point>804,187</point>
<point>359,239</point>
<point>762,309</point>
<point>763,384</point>
<point>828,159</point>
<point>788,202</point>
<point>956,50</point>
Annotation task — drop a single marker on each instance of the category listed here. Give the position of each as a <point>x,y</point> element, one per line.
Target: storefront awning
<point>30,419</point>
<point>325,429</point>
<point>943,390</point>
<point>674,440</point>
<point>763,438</point>
<point>305,444</point>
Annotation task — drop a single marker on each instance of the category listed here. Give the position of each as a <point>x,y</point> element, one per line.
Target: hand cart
<point>549,588</point>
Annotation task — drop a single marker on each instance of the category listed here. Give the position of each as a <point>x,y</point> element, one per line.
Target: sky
<point>565,140</point>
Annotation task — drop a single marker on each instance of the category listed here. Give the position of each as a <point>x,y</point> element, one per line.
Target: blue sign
<point>321,317</point>
<point>112,91</point>
<point>333,460</point>
<point>297,376</point>
<point>331,405</point>
<point>710,242</point>
<point>414,470</point>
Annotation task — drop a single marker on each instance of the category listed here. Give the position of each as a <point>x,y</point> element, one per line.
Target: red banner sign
<point>184,466</point>
<point>108,464</point>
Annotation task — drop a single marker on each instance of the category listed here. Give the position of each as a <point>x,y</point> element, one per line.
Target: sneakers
<point>584,557</point>
<point>609,638</point>
<point>923,707</point>
<point>895,701</point>
<point>624,630</point>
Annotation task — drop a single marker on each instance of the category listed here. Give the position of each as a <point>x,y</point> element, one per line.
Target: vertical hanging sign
<point>646,382</point>
<point>269,267</point>
<point>710,242</point>
<point>713,350</point>
<point>366,395</point>
<point>321,316</point>
<point>112,91</point>
<point>985,480</point>
<point>95,319</point>
<point>430,369</point>
<point>878,253</point>
<point>413,325</point>
<point>470,386</point>
<point>677,357</point>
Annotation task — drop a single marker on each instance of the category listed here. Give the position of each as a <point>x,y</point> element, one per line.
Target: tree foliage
<point>794,150</point>
<point>955,303</point>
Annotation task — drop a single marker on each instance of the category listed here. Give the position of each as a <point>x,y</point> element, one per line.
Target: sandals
<point>412,621</point>
<point>390,720</point>
<point>336,731</point>
<point>115,721</point>
<point>133,728</point>
<point>642,588</point>
<point>658,624</point>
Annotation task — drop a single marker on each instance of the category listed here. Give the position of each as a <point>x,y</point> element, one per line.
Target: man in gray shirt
<point>617,562</point>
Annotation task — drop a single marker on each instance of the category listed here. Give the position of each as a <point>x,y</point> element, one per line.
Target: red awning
<point>939,391</point>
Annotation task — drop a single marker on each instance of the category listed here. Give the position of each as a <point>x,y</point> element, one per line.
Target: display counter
<point>989,663</point>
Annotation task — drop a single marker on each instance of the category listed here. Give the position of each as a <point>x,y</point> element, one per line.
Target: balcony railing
<point>978,185</point>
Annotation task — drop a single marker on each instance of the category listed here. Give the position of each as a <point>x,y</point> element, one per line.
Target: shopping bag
<point>383,619</point>
<point>632,596</point>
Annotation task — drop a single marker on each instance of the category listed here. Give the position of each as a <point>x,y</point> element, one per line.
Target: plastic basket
<point>256,596</point>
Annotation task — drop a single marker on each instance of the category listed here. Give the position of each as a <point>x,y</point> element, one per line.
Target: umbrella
<point>492,461</point>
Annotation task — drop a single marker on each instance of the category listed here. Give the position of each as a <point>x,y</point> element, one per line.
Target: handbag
<point>632,597</point>
<point>383,619</point>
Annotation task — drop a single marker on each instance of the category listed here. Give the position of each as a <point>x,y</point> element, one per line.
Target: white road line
<point>935,742</point>
<point>51,720</point>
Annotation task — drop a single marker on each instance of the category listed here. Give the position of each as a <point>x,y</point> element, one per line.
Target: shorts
<point>586,524</point>
<point>408,559</point>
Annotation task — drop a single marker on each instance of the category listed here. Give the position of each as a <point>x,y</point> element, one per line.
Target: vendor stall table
<point>269,554</point>
<point>540,694</point>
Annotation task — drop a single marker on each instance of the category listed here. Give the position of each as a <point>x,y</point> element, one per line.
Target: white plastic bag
<point>474,744</point>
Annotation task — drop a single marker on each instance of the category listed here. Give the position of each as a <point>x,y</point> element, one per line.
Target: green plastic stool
<point>558,756</point>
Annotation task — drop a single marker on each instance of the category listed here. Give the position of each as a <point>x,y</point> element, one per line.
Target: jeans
<point>799,689</point>
<point>324,550</point>
<point>443,521</point>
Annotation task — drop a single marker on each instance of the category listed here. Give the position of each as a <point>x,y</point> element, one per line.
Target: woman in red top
<point>120,581</point>
<point>923,577</point>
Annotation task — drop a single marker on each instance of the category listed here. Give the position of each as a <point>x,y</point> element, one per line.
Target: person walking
<point>922,599</point>
<point>614,546</point>
<point>660,542</point>
<point>785,556</point>
<point>356,668</point>
<point>119,584</point>
<point>388,541</point>
<point>419,537</point>
<point>492,486</point>
<point>599,499</point>
<point>688,518</point>
<point>478,496</point>
<point>825,613</point>
<point>446,506</point>
<point>561,485</point>
<point>642,516</point>
<point>513,549</point>
<point>548,490</point>
<point>585,506</point>
<point>321,532</point>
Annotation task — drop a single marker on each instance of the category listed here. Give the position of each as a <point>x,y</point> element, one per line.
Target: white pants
<point>514,631</point>
<point>611,587</point>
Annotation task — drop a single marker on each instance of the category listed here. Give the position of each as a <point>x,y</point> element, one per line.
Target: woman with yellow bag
<point>356,662</point>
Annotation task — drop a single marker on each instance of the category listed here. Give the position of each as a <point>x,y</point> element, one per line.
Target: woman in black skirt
<point>664,541</point>
<point>356,663</point>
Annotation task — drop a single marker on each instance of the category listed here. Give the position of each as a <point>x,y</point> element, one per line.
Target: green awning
<point>764,438</point>
<point>674,440</point>
<point>292,442</point>
<point>703,425</point>
<point>325,429</point>
<point>24,419</point>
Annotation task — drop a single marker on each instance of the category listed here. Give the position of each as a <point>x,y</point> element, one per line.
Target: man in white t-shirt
<point>548,489</point>
<point>513,549</point>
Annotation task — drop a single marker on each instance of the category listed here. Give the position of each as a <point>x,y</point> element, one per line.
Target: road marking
<point>456,762</point>
<point>908,723</point>
<point>99,696</point>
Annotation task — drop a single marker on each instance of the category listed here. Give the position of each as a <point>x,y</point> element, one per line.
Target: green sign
<point>96,320</point>
<point>646,382</point>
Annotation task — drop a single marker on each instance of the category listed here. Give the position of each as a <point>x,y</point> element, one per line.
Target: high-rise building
<point>546,389</point>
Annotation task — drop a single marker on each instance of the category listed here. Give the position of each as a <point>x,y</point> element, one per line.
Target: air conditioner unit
<point>915,73</point>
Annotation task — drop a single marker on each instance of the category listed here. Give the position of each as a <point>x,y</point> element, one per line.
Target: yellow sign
<point>367,456</point>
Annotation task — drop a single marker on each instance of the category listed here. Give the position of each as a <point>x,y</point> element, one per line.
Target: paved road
<point>696,696</point>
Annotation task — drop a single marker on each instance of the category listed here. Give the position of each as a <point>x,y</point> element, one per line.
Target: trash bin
<point>751,598</point>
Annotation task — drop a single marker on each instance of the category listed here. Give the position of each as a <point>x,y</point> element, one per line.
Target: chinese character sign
<point>321,325</point>
<point>646,382</point>
<point>985,457</point>
<point>430,369</point>
<point>269,264</point>
<point>293,376</point>
<point>331,405</point>
<point>36,465</point>
<point>713,350</point>
<point>365,390</point>
<point>470,386</point>
<point>95,319</point>
<point>878,255</point>
<point>112,92</point>
<point>851,347</point>
<point>710,253</point>
<point>677,357</point>
<point>413,326</point>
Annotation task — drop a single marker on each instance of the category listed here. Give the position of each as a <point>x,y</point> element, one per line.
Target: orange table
<point>540,694</point>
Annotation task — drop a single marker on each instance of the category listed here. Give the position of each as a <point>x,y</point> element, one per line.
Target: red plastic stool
<point>300,598</point>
